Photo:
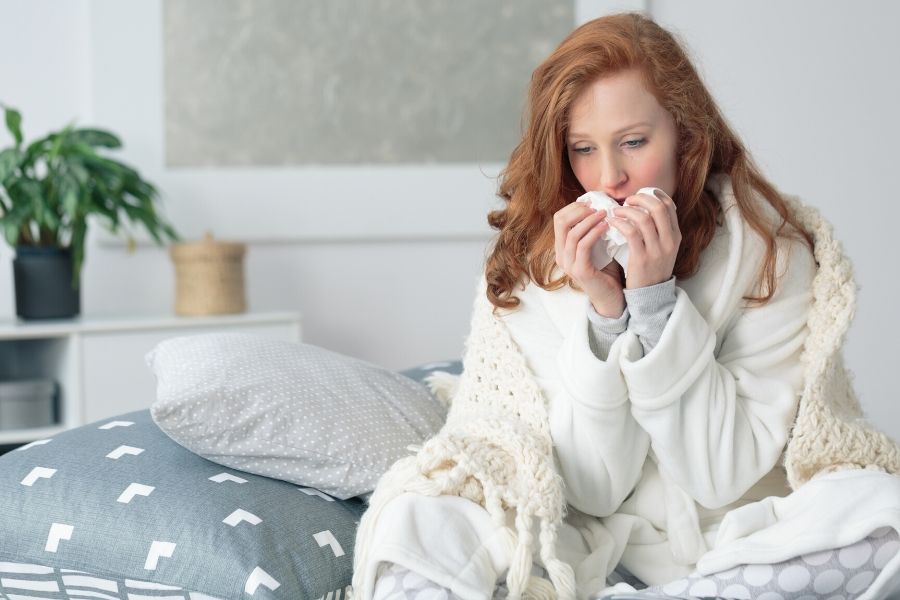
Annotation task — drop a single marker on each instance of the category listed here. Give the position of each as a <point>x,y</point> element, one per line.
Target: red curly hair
<point>538,181</point>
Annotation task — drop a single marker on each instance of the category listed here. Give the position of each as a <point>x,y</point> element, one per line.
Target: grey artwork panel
<point>298,82</point>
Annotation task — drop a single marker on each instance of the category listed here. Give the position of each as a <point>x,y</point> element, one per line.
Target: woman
<point>687,418</point>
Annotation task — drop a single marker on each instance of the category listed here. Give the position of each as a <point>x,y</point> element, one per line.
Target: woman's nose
<point>612,175</point>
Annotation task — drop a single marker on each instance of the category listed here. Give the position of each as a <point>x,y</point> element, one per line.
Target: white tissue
<point>612,245</point>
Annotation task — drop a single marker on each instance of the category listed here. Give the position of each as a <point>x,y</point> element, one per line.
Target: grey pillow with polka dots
<point>290,411</point>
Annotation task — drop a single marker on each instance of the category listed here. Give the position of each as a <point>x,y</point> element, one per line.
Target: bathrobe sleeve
<point>719,421</point>
<point>599,447</point>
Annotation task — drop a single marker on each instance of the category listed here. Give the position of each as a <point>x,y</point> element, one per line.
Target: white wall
<point>809,86</point>
<point>812,88</point>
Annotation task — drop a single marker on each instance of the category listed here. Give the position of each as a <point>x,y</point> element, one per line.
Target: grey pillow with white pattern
<point>290,411</point>
<point>118,510</point>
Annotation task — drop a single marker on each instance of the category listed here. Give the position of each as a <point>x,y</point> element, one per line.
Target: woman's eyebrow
<point>633,126</point>
<point>576,135</point>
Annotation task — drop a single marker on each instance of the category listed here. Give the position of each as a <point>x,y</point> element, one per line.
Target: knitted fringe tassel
<point>539,589</point>
<point>443,386</point>
<point>561,574</point>
<point>521,585</point>
<point>520,565</point>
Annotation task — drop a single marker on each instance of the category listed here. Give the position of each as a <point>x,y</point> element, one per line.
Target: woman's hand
<point>577,227</point>
<point>653,238</point>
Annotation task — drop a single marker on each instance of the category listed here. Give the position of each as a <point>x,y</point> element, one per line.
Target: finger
<point>588,222</point>
<point>583,263</point>
<point>659,197</point>
<point>670,208</point>
<point>631,232</point>
<point>563,221</point>
<point>577,233</point>
<point>659,213</point>
<point>643,223</point>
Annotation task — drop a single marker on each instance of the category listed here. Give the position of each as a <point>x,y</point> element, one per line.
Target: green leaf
<point>9,162</point>
<point>148,219</point>
<point>79,228</point>
<point>11,233</point>
<point>96,138</point>
<point>121,169</point>
<point>59,139</point>
<point>82,176</point>
<point>141,189</point>
<point>98,206</point>
<point>106,167</point>
<point>34,193</point>
<point>68,193</point>
<point>34,151</point>
<point>17,197</point>
<point>25,193</point>
<point>14,221</point>
<point>76,149</point>
<point>14,124</point>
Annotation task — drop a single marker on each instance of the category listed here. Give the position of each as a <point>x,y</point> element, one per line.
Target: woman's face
<point>620,139</point>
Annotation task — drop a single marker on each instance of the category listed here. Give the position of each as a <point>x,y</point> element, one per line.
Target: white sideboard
<point>99,365</point>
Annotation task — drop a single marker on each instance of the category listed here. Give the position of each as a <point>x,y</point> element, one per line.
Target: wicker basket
<point>209,277</point>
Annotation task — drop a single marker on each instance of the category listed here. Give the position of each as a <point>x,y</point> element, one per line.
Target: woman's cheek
<point>662,173</point>
<point>585,175</point>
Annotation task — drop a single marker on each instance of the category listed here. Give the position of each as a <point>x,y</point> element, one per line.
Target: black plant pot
<point>43,278</point>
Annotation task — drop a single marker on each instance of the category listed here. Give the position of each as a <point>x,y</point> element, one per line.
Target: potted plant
<point>49,190</point>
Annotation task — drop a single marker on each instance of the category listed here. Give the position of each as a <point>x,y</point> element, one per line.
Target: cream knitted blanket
<point>496,449</point>
<point>829,432</point>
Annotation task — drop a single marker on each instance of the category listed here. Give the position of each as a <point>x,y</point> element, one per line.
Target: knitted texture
<point>496,449</point>
<point>829,432</point>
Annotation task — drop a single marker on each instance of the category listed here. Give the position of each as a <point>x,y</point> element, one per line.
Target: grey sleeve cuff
<point>650,308</point>
<point>603,331</point>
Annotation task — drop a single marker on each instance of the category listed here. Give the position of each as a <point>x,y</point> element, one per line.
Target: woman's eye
<point>634,143</point>
<point>584,150</point>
